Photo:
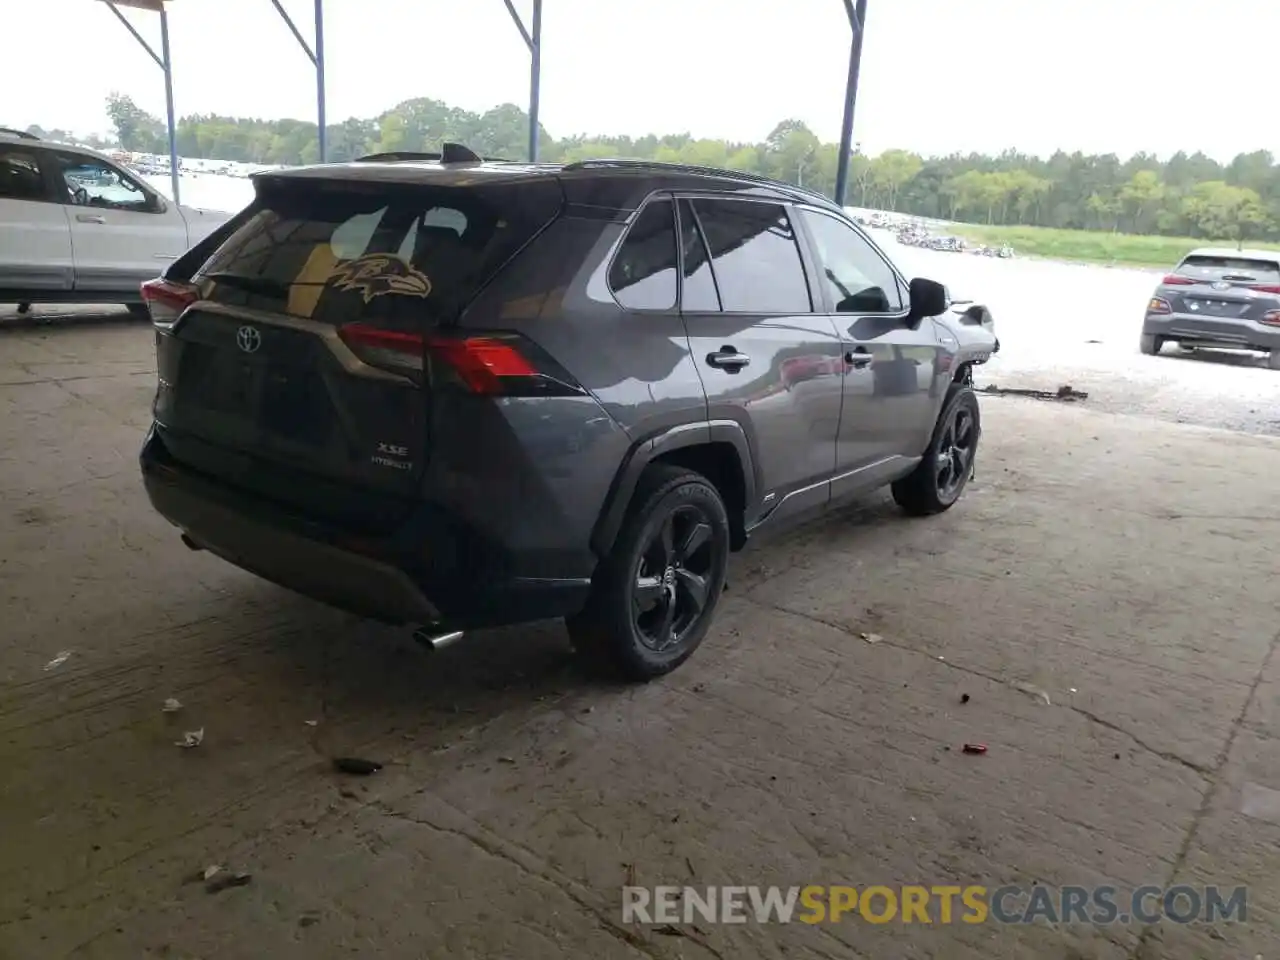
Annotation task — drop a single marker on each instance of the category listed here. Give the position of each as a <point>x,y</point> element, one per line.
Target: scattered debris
<point>311,723</point>
<point>964,698</point>
<point>1031,690</point>
<point>208,872</point>
<point>62,657</point>
<point>1073,689</point>
<point>308,921</point>
<point>871,637</point>
<point>974,748</point>
<point>1093,341</point>
<point>699,687</point>
<point>669,930</point>
<point>356,765</point>
<point>1066,393</point>
<point>192,738</point>
<point>506,760</point>
<point>172,705</point>
<point>204,875</point>
<point>225,881</point>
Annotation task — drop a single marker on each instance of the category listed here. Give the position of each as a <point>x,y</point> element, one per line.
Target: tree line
<point>1189,194</point>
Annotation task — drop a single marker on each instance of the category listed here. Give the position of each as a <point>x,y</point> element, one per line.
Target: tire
<point>1150,344</point>
<point>1273,360</point>
<point>621,630</point>
<point>942,474</point>
<point>139,311</point>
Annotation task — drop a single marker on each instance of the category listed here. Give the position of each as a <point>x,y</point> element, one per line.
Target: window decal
<point>376,274</point>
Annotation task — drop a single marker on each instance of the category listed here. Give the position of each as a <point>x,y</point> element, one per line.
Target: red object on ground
<point>975,748</point>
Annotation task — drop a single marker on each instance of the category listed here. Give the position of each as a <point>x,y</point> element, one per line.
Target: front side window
<point>93,183</point>
<point>643,274</point>
<point>857,278</point>
<point>754,256</point>
<point>20,177</point>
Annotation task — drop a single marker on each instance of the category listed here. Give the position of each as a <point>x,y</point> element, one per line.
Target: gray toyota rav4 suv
<point>454,393</point>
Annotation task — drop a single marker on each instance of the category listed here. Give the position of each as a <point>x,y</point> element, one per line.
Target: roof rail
<point>20,134</point>
<point>701,171</point>
<point>450,153</point>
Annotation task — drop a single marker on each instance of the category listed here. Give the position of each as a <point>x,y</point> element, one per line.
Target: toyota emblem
<point>248,339</point>
<point>1221,285</point>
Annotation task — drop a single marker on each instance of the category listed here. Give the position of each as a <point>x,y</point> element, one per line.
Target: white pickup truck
<point>75,227</point>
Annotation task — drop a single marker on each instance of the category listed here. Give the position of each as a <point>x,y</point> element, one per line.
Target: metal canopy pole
<point>316,57</point>
<point>857,23</point>
<point>533,40</point>
<point>165,63</point>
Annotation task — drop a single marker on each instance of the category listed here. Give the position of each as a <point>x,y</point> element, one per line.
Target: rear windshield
<point>336,252</point>
<point>1241,269</point>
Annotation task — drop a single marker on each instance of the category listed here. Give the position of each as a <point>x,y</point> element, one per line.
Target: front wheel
<point>655,595</point>
<point>942,474</point>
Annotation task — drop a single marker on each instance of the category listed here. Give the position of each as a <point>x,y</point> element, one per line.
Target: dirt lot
<point>1124,567</point>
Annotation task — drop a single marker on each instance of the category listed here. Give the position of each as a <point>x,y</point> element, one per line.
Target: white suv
<point>77,228</point>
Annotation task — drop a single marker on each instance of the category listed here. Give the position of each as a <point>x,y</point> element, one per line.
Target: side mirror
<point>928,299</point>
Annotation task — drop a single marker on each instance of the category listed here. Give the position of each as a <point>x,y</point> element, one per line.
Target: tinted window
<point>334,251</point>
<point>857,278</point>
<point>1244,269</point>
<point>699,294</point>
<point>756,261</point>
<point>643,274</point>
<point>20,175</point>
<point>93,183</point>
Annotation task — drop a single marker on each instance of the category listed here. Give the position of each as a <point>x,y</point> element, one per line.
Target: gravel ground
<point>1104,570</point>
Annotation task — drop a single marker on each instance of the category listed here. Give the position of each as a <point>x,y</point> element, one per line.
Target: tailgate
<point>260,371</point>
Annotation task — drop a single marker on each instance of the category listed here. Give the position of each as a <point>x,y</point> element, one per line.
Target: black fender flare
<point>643,452</point>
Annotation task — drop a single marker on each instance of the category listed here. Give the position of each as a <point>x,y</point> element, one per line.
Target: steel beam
<point>316,56</point>
<point>532,37</point>
<point>857,24</point>
<point>164,62</point>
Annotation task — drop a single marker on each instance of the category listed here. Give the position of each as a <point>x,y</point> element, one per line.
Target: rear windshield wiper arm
<point>261,285</point>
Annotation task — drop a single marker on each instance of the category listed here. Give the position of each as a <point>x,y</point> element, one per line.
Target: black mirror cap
<point>928,298</point>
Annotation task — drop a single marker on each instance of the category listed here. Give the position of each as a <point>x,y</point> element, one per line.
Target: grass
<point>1089,246</point>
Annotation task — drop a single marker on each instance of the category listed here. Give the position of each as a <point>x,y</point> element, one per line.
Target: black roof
<point>457,165</point>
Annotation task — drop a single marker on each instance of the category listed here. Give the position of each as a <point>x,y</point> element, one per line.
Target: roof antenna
<point>457,153</point>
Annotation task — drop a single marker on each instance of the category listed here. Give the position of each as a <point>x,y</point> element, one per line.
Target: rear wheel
<point>655,595</point>
<point>140,311</point>
<point>1150,344</point>
<point>941,476</point>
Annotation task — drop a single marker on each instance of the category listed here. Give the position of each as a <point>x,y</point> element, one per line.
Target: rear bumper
<point>1212,331</point>
<point>382,579</point>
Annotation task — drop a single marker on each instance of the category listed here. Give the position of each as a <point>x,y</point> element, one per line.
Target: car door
<point>893,379</point>
<point>35,235</point>
<point>766,359</point>
<point>123,233</point>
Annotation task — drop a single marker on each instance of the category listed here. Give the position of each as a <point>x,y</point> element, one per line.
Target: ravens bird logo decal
<point>379,273</point>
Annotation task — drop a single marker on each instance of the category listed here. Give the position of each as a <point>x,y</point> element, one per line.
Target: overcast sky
<point>937,75</point>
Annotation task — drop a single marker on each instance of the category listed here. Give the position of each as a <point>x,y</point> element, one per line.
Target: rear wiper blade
<point>261,285</point>
<point>1242,278</point>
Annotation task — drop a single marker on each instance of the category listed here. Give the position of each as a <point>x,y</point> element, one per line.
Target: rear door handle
<point>728,358</point>
<point>859,357</point>
<point>90,218</point>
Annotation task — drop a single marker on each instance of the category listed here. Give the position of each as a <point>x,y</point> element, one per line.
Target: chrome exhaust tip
<point>437,641</point>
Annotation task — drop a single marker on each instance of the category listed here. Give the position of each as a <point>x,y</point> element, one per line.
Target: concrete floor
<point>1126,567</point>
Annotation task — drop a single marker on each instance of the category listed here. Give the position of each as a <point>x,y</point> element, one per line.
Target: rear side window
<point>1241,269</point>
<point>643,274</point>
<point>20,177</point>
<point>385,254</point>
<point>754,256</point>
<point>699,295</point>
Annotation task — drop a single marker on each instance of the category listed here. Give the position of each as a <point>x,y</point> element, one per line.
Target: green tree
<point>1222,211</point>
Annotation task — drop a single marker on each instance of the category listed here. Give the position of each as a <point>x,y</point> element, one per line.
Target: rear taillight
<point>1157,305</point>
<point>1266,288</point>
<point>386,349</point>
<point>493,365</point>
<point>1177,280</point>
<point>166,300</point>
<point>1271,318</point>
